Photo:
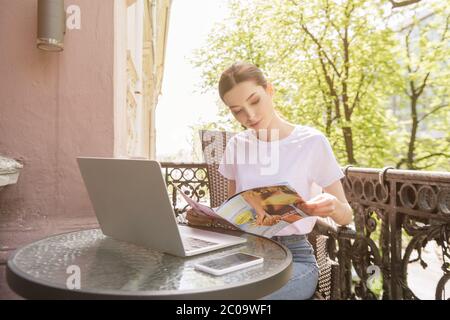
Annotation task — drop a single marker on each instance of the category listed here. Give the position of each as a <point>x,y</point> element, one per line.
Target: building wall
<point>53,108</point>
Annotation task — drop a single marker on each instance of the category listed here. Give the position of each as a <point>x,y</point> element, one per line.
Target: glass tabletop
<point>112,267</point>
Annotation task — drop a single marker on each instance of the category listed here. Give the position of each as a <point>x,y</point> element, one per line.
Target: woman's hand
<point>265,219</point>
<point>322,205</point>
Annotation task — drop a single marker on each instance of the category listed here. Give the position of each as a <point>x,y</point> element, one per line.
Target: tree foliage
<point>342,67</point>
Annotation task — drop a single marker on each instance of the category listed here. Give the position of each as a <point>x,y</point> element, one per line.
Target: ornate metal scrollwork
<point>364,252</point>
<point>405,202</point>
<point>191,179</point>
<point>422,235</point>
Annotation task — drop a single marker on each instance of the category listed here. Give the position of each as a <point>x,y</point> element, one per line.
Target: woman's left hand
<point>322,205</point>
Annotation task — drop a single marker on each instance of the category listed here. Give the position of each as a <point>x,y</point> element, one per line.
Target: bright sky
<point>179,105</point>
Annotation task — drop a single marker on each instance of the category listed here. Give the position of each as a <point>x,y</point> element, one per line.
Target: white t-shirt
<point>304,159</point>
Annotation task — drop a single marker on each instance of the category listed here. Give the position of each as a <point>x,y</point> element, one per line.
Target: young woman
<point>304,158</point>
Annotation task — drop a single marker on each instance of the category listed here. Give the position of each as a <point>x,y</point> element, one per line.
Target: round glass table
<point>89,265</point>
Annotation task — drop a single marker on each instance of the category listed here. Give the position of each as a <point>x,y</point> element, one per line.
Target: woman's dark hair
<point>239,72</point>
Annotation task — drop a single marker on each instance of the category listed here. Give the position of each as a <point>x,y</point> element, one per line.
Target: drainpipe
<point>51,25</point>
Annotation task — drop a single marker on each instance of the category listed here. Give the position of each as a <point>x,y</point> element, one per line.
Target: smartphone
<point>228,263</point>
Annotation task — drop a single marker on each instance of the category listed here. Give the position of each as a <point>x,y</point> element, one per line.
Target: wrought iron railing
<point>192,178</point>
<point>406,210</point>
<point>396,213</point>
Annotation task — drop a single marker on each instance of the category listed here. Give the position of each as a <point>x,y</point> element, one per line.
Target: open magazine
<point>267,211</point>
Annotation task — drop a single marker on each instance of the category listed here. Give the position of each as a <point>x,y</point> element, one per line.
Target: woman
<point>300,155</point>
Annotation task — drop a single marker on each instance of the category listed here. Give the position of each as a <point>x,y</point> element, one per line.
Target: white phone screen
<point>229,261</point>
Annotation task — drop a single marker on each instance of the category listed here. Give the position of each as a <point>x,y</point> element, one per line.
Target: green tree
<point>338,66</point>
<point>329,62</point>
<point>352,71</point>
<point>424,92</point>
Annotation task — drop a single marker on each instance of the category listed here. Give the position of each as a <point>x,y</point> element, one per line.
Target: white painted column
<point>139,52</point>
<point>120,77</point>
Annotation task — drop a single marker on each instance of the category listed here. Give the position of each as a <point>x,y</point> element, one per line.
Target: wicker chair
<point>214,143</point>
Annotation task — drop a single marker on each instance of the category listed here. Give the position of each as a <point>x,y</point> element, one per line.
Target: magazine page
<point>268,211</point>
<point>202,209</point>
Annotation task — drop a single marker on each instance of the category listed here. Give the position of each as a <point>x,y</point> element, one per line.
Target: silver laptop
<point>131,202</point>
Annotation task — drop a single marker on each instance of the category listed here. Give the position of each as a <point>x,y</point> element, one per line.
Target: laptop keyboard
<point>190,243</point>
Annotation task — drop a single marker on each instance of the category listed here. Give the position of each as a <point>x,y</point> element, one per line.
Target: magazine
<point>267,211</point>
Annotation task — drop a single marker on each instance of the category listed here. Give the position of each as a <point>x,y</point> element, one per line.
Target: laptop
<point>131,202</point>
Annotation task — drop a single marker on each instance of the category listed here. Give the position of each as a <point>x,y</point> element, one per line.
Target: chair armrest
<point>346,232</point>
<point>324,228</point>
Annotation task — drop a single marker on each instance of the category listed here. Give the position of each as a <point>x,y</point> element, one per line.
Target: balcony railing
<point>396,213</point>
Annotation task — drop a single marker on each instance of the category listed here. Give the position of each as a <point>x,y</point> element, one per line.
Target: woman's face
<point>251,104</point>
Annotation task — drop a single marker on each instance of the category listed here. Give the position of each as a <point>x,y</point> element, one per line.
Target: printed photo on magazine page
<point>267,211</point>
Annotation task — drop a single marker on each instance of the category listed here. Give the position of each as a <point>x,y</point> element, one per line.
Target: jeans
<point>303,282</point>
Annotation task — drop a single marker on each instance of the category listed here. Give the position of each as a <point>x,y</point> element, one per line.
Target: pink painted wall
<point>53,108</point>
